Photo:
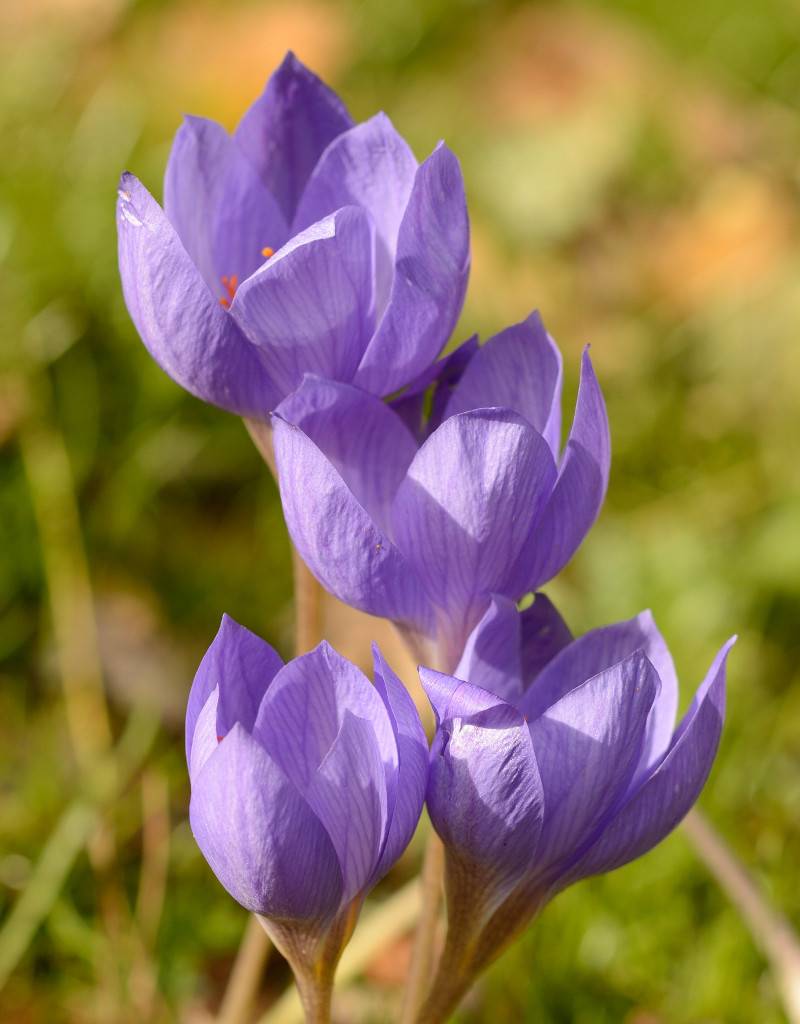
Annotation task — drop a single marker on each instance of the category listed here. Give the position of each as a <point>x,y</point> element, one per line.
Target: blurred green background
<point>632,170</point>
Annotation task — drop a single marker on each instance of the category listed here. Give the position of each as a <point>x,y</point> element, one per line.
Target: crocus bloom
<point>301,243</point>
<point>423,533</point>
<point>307,785</point>
<point>538,782</point>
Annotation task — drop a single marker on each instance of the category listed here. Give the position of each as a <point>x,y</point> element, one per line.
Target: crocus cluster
<point>305,273</point>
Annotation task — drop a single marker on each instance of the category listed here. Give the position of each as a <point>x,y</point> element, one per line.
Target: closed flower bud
<point>307,785</point>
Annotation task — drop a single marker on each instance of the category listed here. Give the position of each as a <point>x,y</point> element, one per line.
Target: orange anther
<point>266,252</point>
<point>229,284</point>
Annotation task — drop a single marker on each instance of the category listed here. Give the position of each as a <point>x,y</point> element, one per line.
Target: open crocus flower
<point>302,243</point>
<point>422,534</point>
<point>307,785</point>
<point>553,774</point>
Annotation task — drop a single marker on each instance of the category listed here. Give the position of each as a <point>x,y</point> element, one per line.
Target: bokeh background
<point>632,170</point>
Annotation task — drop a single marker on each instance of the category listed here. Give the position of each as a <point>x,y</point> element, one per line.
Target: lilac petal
<point>581,487</point>
<point>407,794</point>
<point>286,130</point>
<point>370,166</point>
<point>303,711</point>
<point>587,746</point>
<point>491,657</point>
<point>348,794</point>
<point>205,738</point>
<point>662,801</point>
<point>337,538</point>
<point>360,435</point>
<point>544,635</point>
<point>260,837</point>
<point>309,309</point>
<point>184,327</point>
<point>519,368</point>
<point>430,278</point>
<point>484,793</point>
<point>240,665</point>
<point>597,650</point>
<point>218,204</point>
<point>464,511</point>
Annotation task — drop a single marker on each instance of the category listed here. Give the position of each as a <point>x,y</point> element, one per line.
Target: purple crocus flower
<point>541,776</point>
<point>301,243</point>
<point>307,785</point>
<point>423,533</point>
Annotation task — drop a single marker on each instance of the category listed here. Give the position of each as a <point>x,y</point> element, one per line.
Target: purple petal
<point>348,794</point>
<point>309,309</point>
<point>285,131</point>
<point>544,635</point>
<point>359,434</point>
<point>261,839</point>
<point>407,792</point>
<point>337,538</point>
<point>240,665</point>
<point>484,794</point>
<point>519,368</point>
<point>303,711</point>
<point>587,746</point>
<point>597,650</point>
<point>431,268</point>
<point>464,510</point>
<point>491,658</point>
<point>661,802</point>
<point>184,327</point>
<point>218,204</point>
<point>443,375</point>
<point>204,738</point>
<point>370,166</point>
<point>581,487</point>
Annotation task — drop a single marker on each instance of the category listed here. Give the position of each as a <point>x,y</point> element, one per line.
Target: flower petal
<point>431,268</point>
<point>464,510</point>
<point>663,800</point>
<point>581,488</point>
<point>407,793</point>
<point>348,794</point>
<point>520,369</point>
<point>337,538</point>
<point>598,650</point>
<point>303,711</point>
<point>370,166</point>
<point>183,326</point>
<point>217,203</point>
<point>204,738</point>
<point>359,434</point>
<point>587,746</point>
<point>544,634</point>
<point>240,665</point>
<point>309,309</point>
<point>286,130</point>
<point>484,794</point>
<point>491,657</point>
<point>261,839</point>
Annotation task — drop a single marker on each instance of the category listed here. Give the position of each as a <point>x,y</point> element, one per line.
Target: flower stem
<point>423,951</point>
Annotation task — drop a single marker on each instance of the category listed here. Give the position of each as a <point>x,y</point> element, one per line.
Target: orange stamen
<point>229,284</point>
<point>266,252</point>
